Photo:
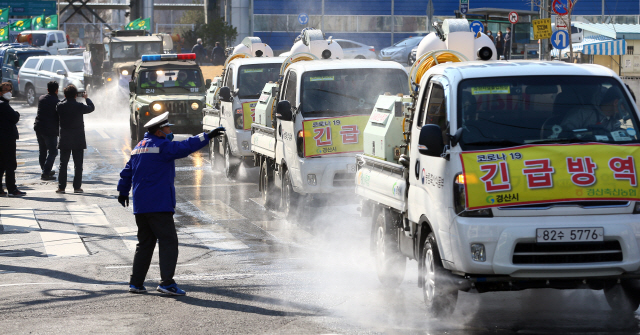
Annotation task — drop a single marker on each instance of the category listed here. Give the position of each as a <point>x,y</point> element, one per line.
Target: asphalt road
<point>65,261</point>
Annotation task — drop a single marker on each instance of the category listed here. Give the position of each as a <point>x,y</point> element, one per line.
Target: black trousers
<point>8,164</point>
<point>48,147</point>
<point>154,227</point>
<point>78,157</point>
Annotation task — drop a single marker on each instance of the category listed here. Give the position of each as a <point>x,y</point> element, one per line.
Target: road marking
<point>18,219</point>
<point>220,240</point>
<point>102,133</point>
<point>218,210</point>
<point>63,243</point>
<point>129,236</point>
<point>87,215</point>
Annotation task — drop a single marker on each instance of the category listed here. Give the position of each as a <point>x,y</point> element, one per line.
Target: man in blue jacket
<point>151,172</point>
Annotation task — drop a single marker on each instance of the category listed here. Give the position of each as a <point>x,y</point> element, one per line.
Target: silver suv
<point>37,71</point>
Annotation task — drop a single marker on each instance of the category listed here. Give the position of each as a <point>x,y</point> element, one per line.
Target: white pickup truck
<point>321,109</point>
<point>233,108</point>
<point>517,175</point>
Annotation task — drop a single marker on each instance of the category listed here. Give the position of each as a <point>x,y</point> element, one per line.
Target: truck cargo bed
<point>263,140</point>
<point>382,182</point>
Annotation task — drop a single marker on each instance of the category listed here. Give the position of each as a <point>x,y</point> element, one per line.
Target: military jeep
<point>166,83</point>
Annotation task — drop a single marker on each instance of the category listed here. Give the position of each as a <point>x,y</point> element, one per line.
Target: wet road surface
<point>65,261</point>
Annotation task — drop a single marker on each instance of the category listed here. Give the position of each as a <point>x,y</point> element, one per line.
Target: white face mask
<point>7,95</point>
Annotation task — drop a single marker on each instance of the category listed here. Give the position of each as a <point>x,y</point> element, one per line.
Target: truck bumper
<point>331,174</point>
<point>501,235</point>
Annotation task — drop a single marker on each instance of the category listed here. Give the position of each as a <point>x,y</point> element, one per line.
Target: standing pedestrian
<point>198,49</point>
<point>499,44</point>
<point>8,136</point>
<point>217,55</point>
<point>151,172</point>
<point>507,44</point>
<point>491,37</point>
<point>47,128</point>
<point>72,139</point>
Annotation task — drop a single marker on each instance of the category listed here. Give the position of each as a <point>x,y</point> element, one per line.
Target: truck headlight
<point>238,118</point>
<point>157,107</point>
<point>125,72</point>
<point>195,106</point>
<point>300,143</point>
<point>460,200</point>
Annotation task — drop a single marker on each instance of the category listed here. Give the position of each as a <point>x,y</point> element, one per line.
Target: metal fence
<point>85,33</point>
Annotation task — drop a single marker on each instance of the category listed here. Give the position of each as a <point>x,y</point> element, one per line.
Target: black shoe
<point>17,193</point>
<point>52,173</point>
<point>47,177</point>
<point>60,191</point>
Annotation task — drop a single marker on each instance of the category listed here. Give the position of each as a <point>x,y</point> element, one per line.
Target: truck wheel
<point>230,168</point>
<point>267,189</point>
<point>214,157</point>
<point>622,298</point>
<point>390,262</point>
<point>31,95</point>
<point>440,295</point>
<point>289,198</point>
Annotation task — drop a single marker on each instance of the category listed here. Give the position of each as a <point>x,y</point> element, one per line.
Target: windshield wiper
<point>506,143</point>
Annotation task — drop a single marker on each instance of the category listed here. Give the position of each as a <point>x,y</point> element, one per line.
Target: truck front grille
<point>341,179</point>
<point>179,107</point>
<point>566,253</point>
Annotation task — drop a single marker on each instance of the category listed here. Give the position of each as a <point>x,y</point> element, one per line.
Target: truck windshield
<point>170,81</point>
<point>252,78</point>
<point>348,91</point>
<point>75,65</point>
<point>38,40</point>
<point>123,51</point>
<point>511,111</point>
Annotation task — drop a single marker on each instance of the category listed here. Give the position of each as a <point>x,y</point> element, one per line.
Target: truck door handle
<point>418,169</point>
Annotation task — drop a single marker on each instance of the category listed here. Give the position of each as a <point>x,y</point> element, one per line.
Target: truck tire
<point>214,156</point>
<point>390,262</point>
<point>440,295</point>
<point>622,298</point>
<point>267,189</point>
<point>31,95</point>
<point>230,167</point>
<point>289,198</point>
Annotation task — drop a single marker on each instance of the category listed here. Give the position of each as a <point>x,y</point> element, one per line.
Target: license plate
<point>386,58</point>
<point>351,168</point>
<point>547,235</point>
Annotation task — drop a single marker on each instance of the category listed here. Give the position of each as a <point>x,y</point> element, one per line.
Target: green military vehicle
<point>166,83</point>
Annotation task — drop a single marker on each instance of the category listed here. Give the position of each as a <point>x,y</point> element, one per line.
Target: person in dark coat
<point>8,136</point>
<point>499,44</point>
<point>47,130</point>
<point>198,49</point>
<point>72,139</point>
<point>507,44</point>
<point>217,55</point>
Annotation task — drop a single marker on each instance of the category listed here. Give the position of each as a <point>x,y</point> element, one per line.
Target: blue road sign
<point>560,39</point>
<point>477,26</point>
<point>303,18</point>
<point>464,8</point>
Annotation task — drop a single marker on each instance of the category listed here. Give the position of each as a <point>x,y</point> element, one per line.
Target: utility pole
<point>543,48</point>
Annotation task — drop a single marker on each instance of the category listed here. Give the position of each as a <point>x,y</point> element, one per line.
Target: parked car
<point>357,50</point>
<point>400,51</point>
<point>54,41</point>
<point>38,71</point>
<point>12,61</point>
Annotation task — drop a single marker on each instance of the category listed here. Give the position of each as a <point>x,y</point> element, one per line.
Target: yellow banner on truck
<point>535,174</point>
<point>248,113</point>
<point>330,136</point>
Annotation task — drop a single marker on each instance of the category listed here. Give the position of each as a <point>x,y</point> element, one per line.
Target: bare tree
<point>566,19</point>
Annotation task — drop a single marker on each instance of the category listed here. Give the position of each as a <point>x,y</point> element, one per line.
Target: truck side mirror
<point>225,94</point>
<point>50,43</point>
<point>283,111</point>
<point>430,142</point>
<point>132,86</point>
<point>207,83</point>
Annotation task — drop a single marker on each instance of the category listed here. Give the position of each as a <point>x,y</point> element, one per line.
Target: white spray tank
<point>456,35</point>
<point>254,47</point>
<point>313,42</point>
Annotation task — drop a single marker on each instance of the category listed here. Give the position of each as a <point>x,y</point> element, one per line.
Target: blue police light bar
<point>155,58</point>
